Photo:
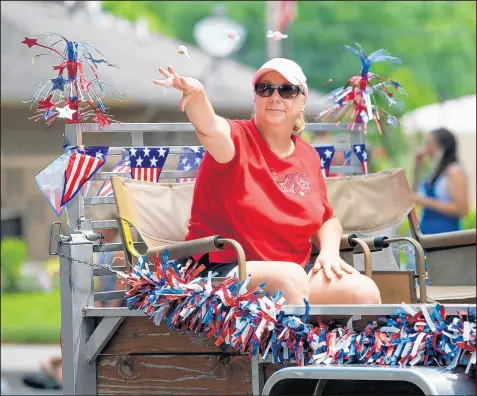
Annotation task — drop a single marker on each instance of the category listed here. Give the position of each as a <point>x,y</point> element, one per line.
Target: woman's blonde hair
<point>299,123</point>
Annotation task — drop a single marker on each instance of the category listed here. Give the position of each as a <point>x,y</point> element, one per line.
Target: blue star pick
<point>58,83</point>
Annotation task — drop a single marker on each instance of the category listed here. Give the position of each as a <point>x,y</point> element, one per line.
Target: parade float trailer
<point>121,351</point>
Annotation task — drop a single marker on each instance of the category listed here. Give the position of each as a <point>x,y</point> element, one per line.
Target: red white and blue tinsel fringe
<point>252,322</point>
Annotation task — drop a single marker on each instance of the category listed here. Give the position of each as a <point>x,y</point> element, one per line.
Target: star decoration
<point>66,112</point>
<point>328,153</point>
<point>365,156</point>
<point>187,168</point>
<point>162,152</point>
<point>46,104</point>
<point>30,42</point>
<point>99,155</point>
<point>322,163</point>
<point>102,119</point>
<point>58,83</point>
<point>184,161</point>
<point>287,185</point>
<point>139,162</point>
<point>68,72</point>
<point>146,152</point>
<point>198,161</point>
<point>133,152</point>
<point>153,161</point>
<point>358,149</point>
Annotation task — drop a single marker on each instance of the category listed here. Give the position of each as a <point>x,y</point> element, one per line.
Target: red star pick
<point>30,42</point>
<point>60,67</point>
<point>46,104</point>
<point>102,119</point>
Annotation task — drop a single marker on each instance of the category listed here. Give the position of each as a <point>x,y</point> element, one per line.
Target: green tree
<point>435,40</point>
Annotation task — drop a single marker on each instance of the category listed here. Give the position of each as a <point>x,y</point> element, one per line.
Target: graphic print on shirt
<point>294,183</point>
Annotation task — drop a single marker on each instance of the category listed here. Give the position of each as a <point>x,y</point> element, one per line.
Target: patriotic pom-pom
<point>253,323</point>
<point>356,100</point>
<point>71,94</point>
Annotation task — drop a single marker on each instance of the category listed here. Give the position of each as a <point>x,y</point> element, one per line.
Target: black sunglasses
<point>266,90</point>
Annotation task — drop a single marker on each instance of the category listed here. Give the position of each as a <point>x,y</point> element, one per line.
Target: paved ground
<point>18,360</point>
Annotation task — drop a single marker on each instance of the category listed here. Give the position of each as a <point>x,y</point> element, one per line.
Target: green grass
<point>31,317</point>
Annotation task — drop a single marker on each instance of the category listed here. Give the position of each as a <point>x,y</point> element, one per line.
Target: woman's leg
<point>290,278</point>
<point>349,289</point>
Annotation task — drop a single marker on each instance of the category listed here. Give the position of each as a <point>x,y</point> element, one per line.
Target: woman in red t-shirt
<point>261,185</point>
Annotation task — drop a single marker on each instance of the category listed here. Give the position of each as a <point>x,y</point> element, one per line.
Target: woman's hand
<point>330,263</point>
<point>420,155</point>
<point>187,85</point>
<point>418,199</point>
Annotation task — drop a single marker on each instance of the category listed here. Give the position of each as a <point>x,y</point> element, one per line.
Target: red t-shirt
<point>270,205</point>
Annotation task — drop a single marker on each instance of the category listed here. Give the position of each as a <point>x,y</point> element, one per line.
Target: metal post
<point>76,288</point>
<point>356,137</point>
<point>258,376</point>
<point>75,208</point>
<point>274,49</point>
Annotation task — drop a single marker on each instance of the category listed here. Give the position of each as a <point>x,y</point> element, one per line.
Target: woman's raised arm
<point>212,130</point>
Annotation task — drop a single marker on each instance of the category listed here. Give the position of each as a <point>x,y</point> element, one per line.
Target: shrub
<point>13,255</point>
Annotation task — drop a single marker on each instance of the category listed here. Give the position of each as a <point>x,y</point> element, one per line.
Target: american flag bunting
<point>326,154</point>
<point>123,166</point>
<point>190,162</point>
<point>361,153</point>
<point>82,165</point>
<point>147,162</point>
<point>50,182</point>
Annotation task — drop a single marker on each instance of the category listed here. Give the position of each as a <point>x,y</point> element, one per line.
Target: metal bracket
<point>59,238</point>
<point>100,337</point>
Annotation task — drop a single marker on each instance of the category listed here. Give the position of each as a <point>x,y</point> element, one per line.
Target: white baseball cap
<point>287,68</point>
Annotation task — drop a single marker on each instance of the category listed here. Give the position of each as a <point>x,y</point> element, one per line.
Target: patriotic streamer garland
<point>77,97</point>
<point>254,324</point>
<point>356,101</point>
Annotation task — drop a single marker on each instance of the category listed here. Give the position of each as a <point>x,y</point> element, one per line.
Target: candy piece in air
<point>168,82</point>
<point>276,35</point>
<point>232,34</point>
<point>183,50</point>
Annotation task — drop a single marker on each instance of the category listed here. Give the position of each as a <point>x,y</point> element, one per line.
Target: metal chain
<point>91,264</point>
<point>85,262</point>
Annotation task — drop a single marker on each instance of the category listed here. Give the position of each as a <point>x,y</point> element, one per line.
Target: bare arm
<point>328,238</point>
<point>212,130</point>
<point>456,184</point>
<point>418,161</point>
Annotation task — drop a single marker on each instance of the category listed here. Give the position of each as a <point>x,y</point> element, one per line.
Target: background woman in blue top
<point>443,195</point>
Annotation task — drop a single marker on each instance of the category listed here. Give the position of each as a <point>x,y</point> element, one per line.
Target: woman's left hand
<point>418,199</point>
<point>330,263</point>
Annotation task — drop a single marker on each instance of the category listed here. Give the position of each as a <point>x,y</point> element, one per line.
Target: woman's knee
<point>296,289</point>
<point>365,290</point>
<point>290,278</point>
<point>350,289</point>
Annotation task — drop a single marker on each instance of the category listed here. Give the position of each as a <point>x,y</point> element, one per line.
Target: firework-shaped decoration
<point>70,94</point>
<point>356,101</point>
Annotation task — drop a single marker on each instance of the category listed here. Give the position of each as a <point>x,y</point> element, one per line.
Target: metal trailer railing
<point>86,329</point>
